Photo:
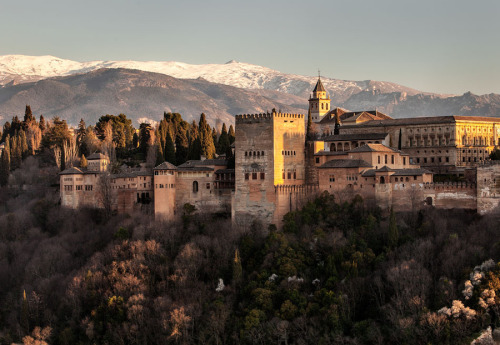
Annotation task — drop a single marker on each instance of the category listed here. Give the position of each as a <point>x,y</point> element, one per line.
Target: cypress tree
<point>194,142</point>
<point>206,138</point>
<point>160,157</point>
<point>223,145</point>
<point>169,150</point>
<point>28,115</point>
<point>42,124</point>
<point>231,134</point>
<point>309,125</point>
<point>6,130</point>
<point>181,147</point>
<point>23,144</point>
<point>15,153</point>
<point>5,163</point>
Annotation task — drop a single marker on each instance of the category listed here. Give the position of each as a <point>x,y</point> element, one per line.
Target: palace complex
<point>279,167</point>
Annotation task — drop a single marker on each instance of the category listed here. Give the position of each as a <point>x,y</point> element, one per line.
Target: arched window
<point>382,179</point>
<point>195,186</point>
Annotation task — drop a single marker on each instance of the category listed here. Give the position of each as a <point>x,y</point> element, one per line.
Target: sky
<point>443,46</point>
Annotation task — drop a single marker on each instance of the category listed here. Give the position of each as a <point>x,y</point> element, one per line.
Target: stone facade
<point>389,162</point>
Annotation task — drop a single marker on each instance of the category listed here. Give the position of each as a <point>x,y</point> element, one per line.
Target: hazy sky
<point>446,46</point>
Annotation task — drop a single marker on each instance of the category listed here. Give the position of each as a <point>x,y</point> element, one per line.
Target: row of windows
<point>479,141</point>
<point>88,187</point>
<point>289,174</point>
<point>425,129</point>
<point>433,159</point>
<point>168,185</point>
<point>163,172</point>
<point>254,176</point>
<point>254,153</point>
<point>392,159</point>
<point>474,151</point>
<point>288,153</point>
<point>324,106</point>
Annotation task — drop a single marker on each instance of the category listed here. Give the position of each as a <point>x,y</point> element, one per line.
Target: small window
<point>404,160</point>
<point>262,176</point>
<point>262,153</point>
<point>289,175</point>
<point>195,186</point>
<point>378,159</point>
<point>246,176</point>
<point>317,160</point>
<point>208,185</point>
<point>385,159</point>
<point>246,153</point>
<point>392,159</point>
<point>254,176</point>
<point>294,175</point>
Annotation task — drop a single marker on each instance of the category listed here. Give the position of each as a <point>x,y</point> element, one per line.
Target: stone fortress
<point>389,162</point>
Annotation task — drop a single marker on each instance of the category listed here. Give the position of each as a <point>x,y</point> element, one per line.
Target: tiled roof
<point>319,86</point>
<point>411,172</point>
<point>360,136</point>
<point>96,156</point>
<point>385,168</point>
<point>166,166</point>
<point>346,163</point>
<point>194,168</point>
<point>374,148</point>
<point>71,171</point>
<point>225,171</point>
<point>331,153</point>
<point>203,162</point>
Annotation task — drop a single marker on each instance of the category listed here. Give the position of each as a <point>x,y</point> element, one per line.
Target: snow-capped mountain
<point>21,68</point>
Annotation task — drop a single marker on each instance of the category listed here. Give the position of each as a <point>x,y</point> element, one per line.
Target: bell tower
<point>319,102</point>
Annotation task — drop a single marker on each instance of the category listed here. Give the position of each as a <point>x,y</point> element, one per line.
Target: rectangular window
<point>262,176</point>
<point>79,187</point>
<point>418,160</point>
<point>254,176</point>
<point>317,160</point>
<point>404,160</point>
<point>208,185</point>
<point>289,175</point>
<point>392,159</point>
<point>294,175</point>
<point>447,159</point>
<point>246,176</point>
<point>283,175</point>
<point>385,159</point>
<point>332,178</point>
<point>425,159</point>
<point>378,159</point>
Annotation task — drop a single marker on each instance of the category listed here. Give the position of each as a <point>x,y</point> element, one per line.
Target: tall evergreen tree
<point>231,134</point>
<point>5,163</point>
<point>223,145</point>
<point>6,130</point>
<point>194,142</point>
<point>23,144</point>
<point>42,124</point>
<point>80,136</point>
<point>15,152</point>
<point>28,115</point>
<point>169,150</point>
<point>181,147</point>
<point>160,157</point>
<point>206,139</point>
<point>309,125</point>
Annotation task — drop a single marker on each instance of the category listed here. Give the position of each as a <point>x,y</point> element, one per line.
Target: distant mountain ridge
<point>21,82</point>
<point>138,94</point>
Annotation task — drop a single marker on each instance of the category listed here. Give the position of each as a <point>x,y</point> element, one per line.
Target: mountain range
<point>71,90</point>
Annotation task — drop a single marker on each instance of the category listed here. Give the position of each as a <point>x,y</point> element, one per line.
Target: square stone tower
<point>270,152</point>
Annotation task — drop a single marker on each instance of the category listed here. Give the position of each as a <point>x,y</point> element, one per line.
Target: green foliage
<point>169,150</point>
<point>122,234</point>
<point>83,162</point>
<point>5,163</point>
<point>57,134</point>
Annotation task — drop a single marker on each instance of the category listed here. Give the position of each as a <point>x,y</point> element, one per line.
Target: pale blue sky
<point>446,46</point>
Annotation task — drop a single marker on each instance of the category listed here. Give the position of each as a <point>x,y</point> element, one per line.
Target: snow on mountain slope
<point>21,68</point>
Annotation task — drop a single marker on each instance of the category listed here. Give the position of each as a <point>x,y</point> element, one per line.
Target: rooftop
<point>360,136</point>
<point>166,166</point>
<point>346,163</point>
<point>97,156</point>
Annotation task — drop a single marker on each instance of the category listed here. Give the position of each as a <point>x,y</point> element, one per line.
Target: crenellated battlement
<point>249,118</point>
<point>450,185</point>
<point>283,188</point>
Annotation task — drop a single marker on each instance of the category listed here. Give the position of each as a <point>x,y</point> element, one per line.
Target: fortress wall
<point>254,199</point>
<point>452,195</point>
<point>292,198</point>
<point>488,188</point>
